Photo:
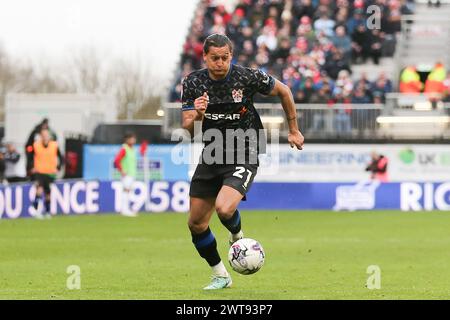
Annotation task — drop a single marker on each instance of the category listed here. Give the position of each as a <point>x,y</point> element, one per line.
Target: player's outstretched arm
<point>295,137</point>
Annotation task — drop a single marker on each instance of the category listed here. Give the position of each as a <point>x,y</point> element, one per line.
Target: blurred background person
<point>434,85</point>
<point>410,81</point>
<point>361,44</point>
<point>378,167</point>
<point>343,42</point>
<point>34,135</point>
<point>126,162</point>
<point>12,158</point>
<point>47,161</point>
<point>435,3</point>
<point>2,165</point>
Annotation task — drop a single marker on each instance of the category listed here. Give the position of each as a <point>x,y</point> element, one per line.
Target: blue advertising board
<point>92,197</point>
<point>85,197</point>
<point>98,163</point>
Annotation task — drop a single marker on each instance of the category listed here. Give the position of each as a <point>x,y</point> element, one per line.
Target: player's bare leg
<point>37,197</point>
<point>205,242</point>
<point>126,211</point>
<point>227,202</point>
<point>127,187</point>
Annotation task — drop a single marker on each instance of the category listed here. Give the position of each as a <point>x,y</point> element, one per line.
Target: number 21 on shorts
<point>239,173</point>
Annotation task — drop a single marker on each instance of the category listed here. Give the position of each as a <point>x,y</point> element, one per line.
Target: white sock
<point>220,270</point>
<point>125,201</point>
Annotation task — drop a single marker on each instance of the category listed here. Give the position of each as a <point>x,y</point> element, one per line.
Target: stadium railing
<point>418,102</point>
<point>316,121</point>
<point>403,118</point>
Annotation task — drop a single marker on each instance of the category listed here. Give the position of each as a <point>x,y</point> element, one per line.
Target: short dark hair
<point>217,40</point>
<point>129,135</point>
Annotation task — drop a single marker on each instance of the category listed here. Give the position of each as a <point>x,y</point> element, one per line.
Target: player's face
<point>131,141</point>
<point>45,136</point>
<point>218,61</point>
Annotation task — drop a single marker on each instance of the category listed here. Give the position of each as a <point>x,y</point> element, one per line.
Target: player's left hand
<point>295,138</point>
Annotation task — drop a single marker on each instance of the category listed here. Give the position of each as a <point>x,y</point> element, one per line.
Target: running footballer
<point>221,97</point>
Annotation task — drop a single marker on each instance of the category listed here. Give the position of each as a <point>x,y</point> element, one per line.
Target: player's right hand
<point>201,103</point>
<point>296,139</point>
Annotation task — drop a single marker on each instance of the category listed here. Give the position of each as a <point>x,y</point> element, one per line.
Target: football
<point>246,256</point>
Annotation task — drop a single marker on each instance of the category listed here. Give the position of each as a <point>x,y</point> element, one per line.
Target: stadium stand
<point>300,42</point>
<point>345,76</point>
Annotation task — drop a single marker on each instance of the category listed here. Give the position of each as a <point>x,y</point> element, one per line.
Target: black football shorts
<point>208,179</point>
<point>44,181</point>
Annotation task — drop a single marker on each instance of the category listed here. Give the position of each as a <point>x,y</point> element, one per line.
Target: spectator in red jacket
<point>378,167</point>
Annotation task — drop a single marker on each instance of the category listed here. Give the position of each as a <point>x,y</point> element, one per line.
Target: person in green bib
<point>126,163</point>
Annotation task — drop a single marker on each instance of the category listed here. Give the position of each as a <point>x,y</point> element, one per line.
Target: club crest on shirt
<point>237,95</point>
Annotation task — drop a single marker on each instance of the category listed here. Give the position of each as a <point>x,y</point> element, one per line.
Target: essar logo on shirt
<point>227,116</point>
<point>220,116</point>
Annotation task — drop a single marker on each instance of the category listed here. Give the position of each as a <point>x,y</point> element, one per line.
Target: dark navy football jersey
<point>230,100</point>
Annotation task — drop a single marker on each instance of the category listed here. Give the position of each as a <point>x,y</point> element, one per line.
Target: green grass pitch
<point>309,255</point>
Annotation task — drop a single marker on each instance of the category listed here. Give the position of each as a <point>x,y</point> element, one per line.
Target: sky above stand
<point>47,31</point>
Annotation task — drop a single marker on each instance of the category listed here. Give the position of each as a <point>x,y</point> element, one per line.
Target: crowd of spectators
<point>309,45</point>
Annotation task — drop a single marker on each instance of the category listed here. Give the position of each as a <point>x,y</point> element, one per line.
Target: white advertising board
<point>347,162</point>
